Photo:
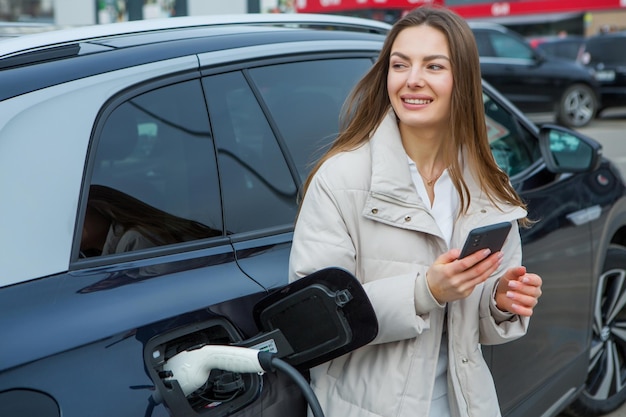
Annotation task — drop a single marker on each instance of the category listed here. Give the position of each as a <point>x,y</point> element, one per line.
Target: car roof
<point>23,72</point>
<point>27,43</point>
<point>561,39</point>
<point>619,34</point>
<point>477,24</point>
<point>606,37</point>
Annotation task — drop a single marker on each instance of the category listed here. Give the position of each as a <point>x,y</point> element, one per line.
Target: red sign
<point>485,9</point>
<point>323,6</point>
<point>507,8</point>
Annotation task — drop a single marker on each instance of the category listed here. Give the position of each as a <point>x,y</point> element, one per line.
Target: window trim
<point>108,107</point>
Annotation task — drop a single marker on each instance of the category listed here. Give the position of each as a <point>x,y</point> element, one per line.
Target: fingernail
<point>510,294</point>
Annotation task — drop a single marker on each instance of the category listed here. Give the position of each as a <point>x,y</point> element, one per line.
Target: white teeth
<point>416,101</point>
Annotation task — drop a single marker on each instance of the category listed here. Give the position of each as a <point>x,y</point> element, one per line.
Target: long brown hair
<point>369,102</point>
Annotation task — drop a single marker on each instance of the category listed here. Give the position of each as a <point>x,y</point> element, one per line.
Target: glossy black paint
<point>605,54</point>
<point>532,80</point>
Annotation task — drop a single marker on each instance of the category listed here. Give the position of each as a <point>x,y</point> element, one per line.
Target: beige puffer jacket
<point>362,213</point>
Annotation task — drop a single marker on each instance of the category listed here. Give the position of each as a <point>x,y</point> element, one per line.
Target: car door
<point>551,358</point>
<point>277,118</point>
<point>172,285</point>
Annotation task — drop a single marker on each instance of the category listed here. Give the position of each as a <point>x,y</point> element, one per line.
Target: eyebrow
<point>426,58</point>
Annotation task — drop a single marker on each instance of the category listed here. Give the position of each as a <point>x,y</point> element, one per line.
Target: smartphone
<point>492,237</point>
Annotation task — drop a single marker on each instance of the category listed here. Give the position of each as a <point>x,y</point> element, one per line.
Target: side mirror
<point>321,316</point>
<point>566,151</point>
<point>539,56</point>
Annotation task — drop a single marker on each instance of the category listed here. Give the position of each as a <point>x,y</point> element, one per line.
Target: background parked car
<point>533,81</point>
<point>606,57</point>
<point>570,47</point>
<point>216,122</point>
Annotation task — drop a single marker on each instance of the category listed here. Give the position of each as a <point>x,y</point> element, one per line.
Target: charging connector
<point>191,368</point>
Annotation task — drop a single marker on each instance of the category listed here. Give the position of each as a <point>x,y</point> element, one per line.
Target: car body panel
<point>48,196</point>
<point>105,339</point>
<point>606,59</point>
<point>565,300</point>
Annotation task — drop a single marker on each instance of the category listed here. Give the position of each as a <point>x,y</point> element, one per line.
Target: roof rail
<point>84,33</point>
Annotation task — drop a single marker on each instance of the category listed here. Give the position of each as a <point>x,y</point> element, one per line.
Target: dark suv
<point>535,82</point>
<point>569,47</point>
<point>606,57</point>
<point>210,126</point>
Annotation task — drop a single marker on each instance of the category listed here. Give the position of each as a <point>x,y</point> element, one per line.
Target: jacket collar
<point>391,177</point>
<point>391,182</point>
<point>393,198</point>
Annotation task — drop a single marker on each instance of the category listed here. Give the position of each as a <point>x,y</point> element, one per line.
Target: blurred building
<point>528,17</point>
<point>85,12</point>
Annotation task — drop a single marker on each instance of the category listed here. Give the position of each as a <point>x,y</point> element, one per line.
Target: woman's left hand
<point>518,291</point>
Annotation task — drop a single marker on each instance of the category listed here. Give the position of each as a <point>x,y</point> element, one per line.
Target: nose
<point>415,78</point>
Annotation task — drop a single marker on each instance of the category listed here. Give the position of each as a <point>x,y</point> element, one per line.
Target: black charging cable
<point>270,362</point>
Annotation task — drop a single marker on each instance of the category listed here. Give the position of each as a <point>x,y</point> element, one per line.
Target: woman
<point>392,200</point>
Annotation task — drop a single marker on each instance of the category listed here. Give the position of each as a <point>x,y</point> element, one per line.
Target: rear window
<point>563,49</point>
<point>607,50</point>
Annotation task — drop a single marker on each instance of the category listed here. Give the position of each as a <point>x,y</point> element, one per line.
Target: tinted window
<point>609,50</point>
<point>154,178</point>
<point>483,43</point>
<point>506,46</point>
<point>305,100</point>
<point>257,185</point>
<point>563,49</point>
<point>513,146</point>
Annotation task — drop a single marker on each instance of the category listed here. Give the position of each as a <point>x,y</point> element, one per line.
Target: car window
<point>257,186</point>
<point>484,44</point>
<point>154,177</point>
<point>563,49</point>
<point>513,146</point>
<point>605,50</point>
<point>506,46</point>
<point>305,99</point>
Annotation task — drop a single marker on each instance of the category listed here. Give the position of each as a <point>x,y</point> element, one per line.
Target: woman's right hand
<point>451,278</point>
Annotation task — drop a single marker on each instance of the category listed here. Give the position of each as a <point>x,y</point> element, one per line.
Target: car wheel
<point>577,107</point>
<point>605,388</point>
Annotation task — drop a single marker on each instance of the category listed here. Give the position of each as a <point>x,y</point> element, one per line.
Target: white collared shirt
<point>444,209</point>
<point>446,205</point>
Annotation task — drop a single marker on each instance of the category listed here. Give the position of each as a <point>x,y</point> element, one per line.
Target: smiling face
<point>419,81</point>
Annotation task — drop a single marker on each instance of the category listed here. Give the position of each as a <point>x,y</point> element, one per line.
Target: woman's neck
<point>425,148</point>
